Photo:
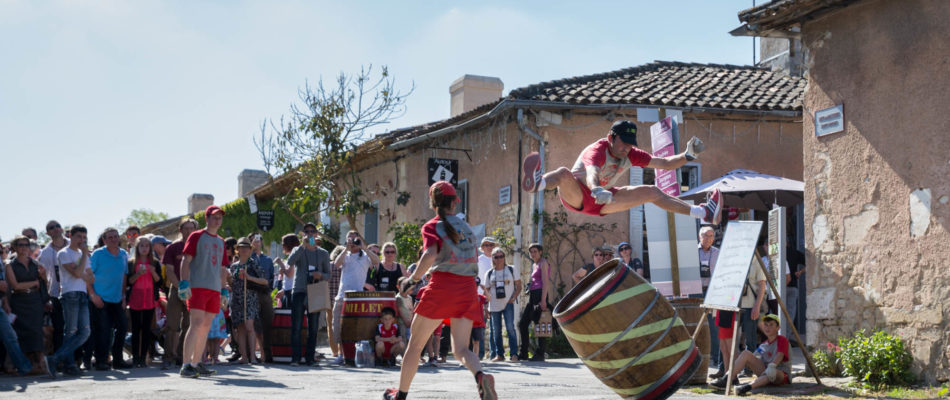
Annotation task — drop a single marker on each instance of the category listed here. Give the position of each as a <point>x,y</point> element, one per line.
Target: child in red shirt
<point>389,343</point>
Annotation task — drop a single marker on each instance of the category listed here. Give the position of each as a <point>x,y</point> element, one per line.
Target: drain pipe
<point>539,197</point>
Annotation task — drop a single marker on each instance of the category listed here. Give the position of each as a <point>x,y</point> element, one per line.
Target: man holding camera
<point>354,263</point>
<point>311,265</point>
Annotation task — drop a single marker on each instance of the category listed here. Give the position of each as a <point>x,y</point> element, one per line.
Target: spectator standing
<point>384,276</point>
<point>354,262</point>
<point>311,265</point>
<point>597,255</point>
<point>335,275</point>
<point>109,264</point>
<point>538,301</point>
<point>27,282</point>
<point>8,338</point>
<point>48,260</point>
<point>131,236</point>
<point>503,283</point>
<point>245,307</point>
<point>202,287</point>
<point>264,300</point>
<point>143,298</point>
<point>484,265</point>
<point>754,294</point>
<point>76,277</point>
<point>708,254</point>
<point>177,318</point>
<point>30,233</point>
<point>625,250</point>
<point>288,242</point>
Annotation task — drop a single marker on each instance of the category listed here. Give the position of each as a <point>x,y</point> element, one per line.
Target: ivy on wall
<point>238,220</point>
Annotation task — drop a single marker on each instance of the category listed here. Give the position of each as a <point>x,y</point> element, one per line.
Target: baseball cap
<point>446,187</point>
<point>772,317</point>
<point>489,239</point>
<point>214,209</point>
<point>160,239</point>
<point>626,130</point>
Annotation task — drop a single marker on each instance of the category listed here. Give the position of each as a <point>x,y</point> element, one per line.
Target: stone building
<point>748,117</point>
<point>875,170</point>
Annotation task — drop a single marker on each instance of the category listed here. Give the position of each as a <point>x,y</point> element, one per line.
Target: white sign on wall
<point>829,120</point>
<point>504,195</point>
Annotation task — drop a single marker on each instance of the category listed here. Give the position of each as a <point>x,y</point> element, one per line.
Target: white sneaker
<point>338,360</point>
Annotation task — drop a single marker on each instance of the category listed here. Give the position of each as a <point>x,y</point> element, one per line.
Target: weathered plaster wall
<point>876,195</point>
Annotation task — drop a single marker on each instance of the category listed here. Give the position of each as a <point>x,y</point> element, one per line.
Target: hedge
<point>239,221</point>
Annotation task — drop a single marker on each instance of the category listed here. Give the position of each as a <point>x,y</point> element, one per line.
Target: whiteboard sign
<point>658,237</point>
<point>732,267</point>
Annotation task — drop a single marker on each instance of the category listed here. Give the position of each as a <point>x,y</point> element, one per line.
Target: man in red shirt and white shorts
<point>588,187</point>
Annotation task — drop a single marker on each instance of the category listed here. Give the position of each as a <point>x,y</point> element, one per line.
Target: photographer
<point>311,264</point>
<point>354,263</point>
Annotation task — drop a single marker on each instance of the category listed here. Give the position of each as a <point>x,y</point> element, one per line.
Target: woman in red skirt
<point>451,256</point>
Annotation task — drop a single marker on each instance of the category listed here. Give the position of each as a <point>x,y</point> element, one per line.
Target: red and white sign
<point>661,136</point>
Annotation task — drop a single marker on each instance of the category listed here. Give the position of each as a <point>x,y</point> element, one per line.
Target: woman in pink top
<point>143,297</point>
<point>539,292</point>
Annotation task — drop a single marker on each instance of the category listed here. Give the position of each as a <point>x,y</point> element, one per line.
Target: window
<point>690,176</point>
<point>371,224</point>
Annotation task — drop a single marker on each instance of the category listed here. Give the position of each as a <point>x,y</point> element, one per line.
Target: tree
<point>141,217</point>
<point>316,145</point>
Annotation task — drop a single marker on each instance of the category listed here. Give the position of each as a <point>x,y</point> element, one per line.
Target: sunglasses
<point>625,248</point>
<point>488,245</point>
<point>51,227</point>
<point>309,231</point>
<point>389,252</point>
<point>21,244</point>
<point>498,257</point>
<point>598,254</point>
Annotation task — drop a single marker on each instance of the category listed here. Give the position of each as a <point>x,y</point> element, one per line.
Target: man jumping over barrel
<point>588,187</point>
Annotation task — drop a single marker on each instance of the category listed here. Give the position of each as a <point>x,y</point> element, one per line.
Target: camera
<point>357,241</point>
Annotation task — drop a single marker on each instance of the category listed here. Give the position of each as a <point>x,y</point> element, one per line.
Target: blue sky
<point>109,106</point>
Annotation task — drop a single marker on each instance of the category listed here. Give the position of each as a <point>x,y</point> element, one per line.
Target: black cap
<point>626,130</point>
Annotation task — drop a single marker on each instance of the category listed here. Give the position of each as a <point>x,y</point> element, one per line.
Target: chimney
<point>782,54</point>
<point>199,202</point>
<point>251,179</point>
<point>471,91</point>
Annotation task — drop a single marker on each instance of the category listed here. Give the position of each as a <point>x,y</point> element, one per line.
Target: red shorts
<point>205,300</point>
<point>449,296</point>
<point>725,333</point>
<point>587,205</point>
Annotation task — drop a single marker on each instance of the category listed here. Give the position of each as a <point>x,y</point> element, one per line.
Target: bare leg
<point>251,339</point>
<point>628,197</point>
<point>241,337</point>
<point>461,333</point>
<point>747,359</point>
<point>422,328</point>
<point>197,335</point>
<point>567,186</point>
<point>334,347</point>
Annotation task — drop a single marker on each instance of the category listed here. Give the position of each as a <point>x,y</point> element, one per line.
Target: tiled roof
<point>677,84</point>
<point>781,14</point>
<point>660,83</point>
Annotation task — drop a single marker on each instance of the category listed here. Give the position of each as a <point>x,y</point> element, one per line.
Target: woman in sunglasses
<point>385,276</point>
<point>598,258</point>
<point>27,282</point>
<point>628,258</point>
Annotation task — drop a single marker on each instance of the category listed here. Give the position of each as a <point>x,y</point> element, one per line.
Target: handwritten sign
<point>732,267</point>
<point>661,136</point>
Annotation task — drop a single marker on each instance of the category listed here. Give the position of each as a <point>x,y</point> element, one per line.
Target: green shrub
<point>876,360</point>
<point>408,240</point>
<point>826,361</point>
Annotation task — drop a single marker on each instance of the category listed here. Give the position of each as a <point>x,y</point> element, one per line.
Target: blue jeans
<point>11,343</point>
<point>297,313</point>
<point>499,344</point>
<point>76,326</point>
<point>750,336</point>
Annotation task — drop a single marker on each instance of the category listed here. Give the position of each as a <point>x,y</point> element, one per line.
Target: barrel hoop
<point>624,295</point>
<point>617,338</point>
<point>650,329</point>
<point>666,381</point>
<point>583,308</point>
<point>625,363</point>
<point>664,352</point>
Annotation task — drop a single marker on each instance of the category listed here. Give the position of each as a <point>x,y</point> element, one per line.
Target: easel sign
<point>732,267</point>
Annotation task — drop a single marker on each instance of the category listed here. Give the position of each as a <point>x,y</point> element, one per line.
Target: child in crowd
<point>404,304</point>
<point>770,362</point>
<point>389,343</point>
<point>478,326</point>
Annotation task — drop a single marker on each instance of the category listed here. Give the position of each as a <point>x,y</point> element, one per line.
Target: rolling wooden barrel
<point>280,335</point>
<point>361,311</point>
<point>627,334</point>
<point>690,312</point>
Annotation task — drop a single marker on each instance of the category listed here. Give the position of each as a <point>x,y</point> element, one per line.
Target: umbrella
<point>744,188</point>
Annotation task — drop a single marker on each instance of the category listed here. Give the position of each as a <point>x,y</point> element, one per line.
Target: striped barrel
<point>691,312</point>
<point>627,334</point>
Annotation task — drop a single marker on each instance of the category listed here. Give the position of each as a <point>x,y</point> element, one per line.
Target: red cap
<point>214,209</point>
<point>446,188</point>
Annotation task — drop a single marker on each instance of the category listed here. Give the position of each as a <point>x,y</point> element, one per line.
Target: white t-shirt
<point>289,280</point>
<point>755,275</point>
<point>68,282</point>
<point>484,265</point>
<point>353,275</point>
<point>497,279</point>
<point>47,259</point>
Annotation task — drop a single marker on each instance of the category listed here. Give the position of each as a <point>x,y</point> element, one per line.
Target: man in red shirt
<point>588,187</point>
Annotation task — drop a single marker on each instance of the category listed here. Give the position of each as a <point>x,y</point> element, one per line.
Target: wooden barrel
<point>361,311</point>
<point>690,312</point>
<point>280,335</point>
<point>627,334</point>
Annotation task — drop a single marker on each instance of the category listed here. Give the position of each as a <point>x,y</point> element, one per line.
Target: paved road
<point>556,379</point>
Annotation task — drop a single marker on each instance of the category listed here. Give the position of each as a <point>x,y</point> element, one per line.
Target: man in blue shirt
<point>109,265</point>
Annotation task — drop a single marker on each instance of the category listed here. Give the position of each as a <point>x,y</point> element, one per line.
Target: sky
<point>109,106</point>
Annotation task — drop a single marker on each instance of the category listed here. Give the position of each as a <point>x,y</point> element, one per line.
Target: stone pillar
<point>199,202</point>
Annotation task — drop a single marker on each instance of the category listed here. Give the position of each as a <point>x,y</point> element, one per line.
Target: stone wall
<point>877,194</point>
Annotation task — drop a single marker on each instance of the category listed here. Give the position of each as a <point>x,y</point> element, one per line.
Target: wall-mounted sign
<point>829,120</point>
<point>441,169</point>
<point>265,219</point>
<point>504,195</point>
<point>252,203</point>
